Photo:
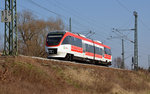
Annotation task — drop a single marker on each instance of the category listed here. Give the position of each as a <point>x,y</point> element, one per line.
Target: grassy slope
<point>22,75</point>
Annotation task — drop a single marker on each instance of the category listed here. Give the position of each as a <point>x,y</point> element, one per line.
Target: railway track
<point>70,62</point>
<point>73,62</point>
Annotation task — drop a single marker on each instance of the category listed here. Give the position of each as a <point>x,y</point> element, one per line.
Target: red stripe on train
<point>76,49</point>
<point>92,54</point>
<point>107,56</point>
<point>98,56</point>
<point>89,54</point>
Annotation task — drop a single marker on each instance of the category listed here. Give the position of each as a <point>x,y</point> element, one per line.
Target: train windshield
<point>54,39</point>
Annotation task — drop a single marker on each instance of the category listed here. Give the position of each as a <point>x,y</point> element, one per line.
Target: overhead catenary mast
<point>70,24</point>
<point>135,42</point>
<point>10,19</point>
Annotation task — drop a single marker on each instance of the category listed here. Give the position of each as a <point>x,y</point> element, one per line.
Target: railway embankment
<point>32,75</point>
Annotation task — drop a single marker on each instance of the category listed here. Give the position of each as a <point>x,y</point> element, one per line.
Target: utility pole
<point>123,59</point>
<point>149,62</point>
<point>132,65</point>
<point>135,43</point>
<point>135,58</point>
<point>10,38</point>
<point>70,24</point>
<point>123,37</point>
<point>122,64</point>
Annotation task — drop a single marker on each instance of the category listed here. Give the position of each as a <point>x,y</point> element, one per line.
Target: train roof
<point>87,39</point>
<point>58,31</point>
<point>79,36</point>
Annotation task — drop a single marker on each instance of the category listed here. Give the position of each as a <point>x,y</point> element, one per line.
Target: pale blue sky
<point>100,16</point>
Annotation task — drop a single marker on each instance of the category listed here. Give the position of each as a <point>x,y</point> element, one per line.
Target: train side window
<point>98,51</point>
<point>66,40</point>
<point>107,51</point>
<point>73,41</point>
<point>84,47</point>
<point>89,48</point>
<point>79,42</point>
<point>76,42</point>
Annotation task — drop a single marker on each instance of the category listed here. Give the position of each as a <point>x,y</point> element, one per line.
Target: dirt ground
<point>26,75</point>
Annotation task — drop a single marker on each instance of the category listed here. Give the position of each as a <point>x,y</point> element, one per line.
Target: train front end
<point>53,44</point>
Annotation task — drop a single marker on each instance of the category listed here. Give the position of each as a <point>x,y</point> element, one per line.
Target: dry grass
<point>27,77</point>
<point>22,75</point>
<point>83,78</point>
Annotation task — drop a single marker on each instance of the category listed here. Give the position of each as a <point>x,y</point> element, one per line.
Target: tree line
<point>32,33</point>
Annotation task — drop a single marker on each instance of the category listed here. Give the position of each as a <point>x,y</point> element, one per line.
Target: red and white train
<point>70,46</point>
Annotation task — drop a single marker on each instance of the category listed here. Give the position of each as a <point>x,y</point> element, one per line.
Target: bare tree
<point>55,24</point>
<point>32,33</point>
<point>117,62</point>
